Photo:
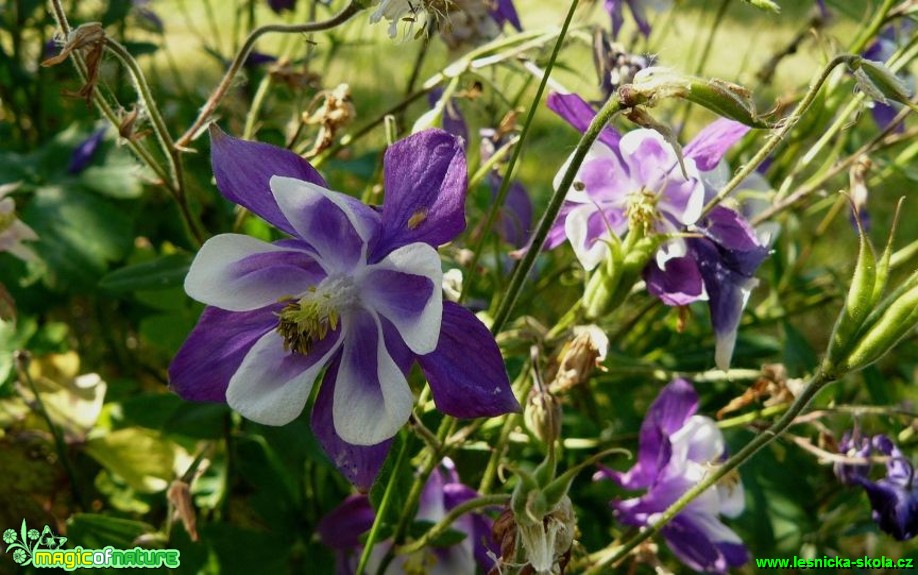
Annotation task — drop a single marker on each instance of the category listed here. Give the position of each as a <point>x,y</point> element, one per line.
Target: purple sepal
<point>895,507</point>
<point>255,59</point>
<point>504,11</point>
<point>578,113</point>
<point>359,464</point>
<point>425,183</point>
<point>678,284</point>
<point>675,404</point>
<point>244,169</point>
<point>342,527</point>
<point>214,350</point>
<point>694,540</point>
<point>515,217</point>
<point>856,446</point>
<point>84,153</point>
<point>711,144</point>
<point>466,371</point>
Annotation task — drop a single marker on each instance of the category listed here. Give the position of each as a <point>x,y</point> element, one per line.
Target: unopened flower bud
<point>542,416</point>
<point>859,302</point>
<point>880,83</point>
<point>654,84</point>
<point>584,353</point>
<point>898,319</point>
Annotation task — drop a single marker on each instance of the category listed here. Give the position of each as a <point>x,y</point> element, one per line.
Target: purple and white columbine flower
<point>677,450</point>
<point>355,292</point>
<point>638,10</point>
<point>636,180</point>
<point>342,527</point>
<point>894,498</point>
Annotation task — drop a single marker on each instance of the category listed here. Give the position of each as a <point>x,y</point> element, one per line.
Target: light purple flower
<point>342,527</point>
<point>638,10</point>
<point>84,153</point>
<point>894,498</point>
<point>504,11</point>
<point>354,290</point>
<point>627,181</point>
<point>677,449</point>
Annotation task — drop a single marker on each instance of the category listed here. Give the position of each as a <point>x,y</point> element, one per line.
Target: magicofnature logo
<point>44,549</point>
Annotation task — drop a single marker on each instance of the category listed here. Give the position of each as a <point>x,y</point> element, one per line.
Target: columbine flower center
<point>642,210</point>
<point>308,320</point>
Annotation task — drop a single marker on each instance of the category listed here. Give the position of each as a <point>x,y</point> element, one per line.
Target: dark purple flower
<point>720,266</point>
<point>84,153</point>
<point>280,5</point>
<point>503,11</point>
<point>894,498</point>
<point>677,449</point>
<point>638,10</point>
<point>355,290</point>
<point>259,59</point>
<point>342,527</point>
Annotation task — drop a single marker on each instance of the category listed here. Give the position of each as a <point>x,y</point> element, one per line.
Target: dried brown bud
<point>542,415</point>
<point>579,357</point>
<point>335,111</point>
<point>179,495</point>
<point>90,38</point>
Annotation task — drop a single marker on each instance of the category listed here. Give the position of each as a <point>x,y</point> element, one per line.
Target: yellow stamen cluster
<point>642,210</point>
<point>307,321</point>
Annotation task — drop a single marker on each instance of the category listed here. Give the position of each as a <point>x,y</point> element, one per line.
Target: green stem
<point>490,472</point>
<point>381,512</point>
<point>511,164</point>
<point>210,106</point>
<point>444,524</point>
<point>522,269</point>
<point>777,137</point>
<point>822,378</point>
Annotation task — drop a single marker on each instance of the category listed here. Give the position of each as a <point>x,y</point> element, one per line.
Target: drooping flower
<point>638,10</point>
<point>13,232</point>
<point>636,181</point>
<point>278,6</point>
<point>677,450</point>
<point>460,22</point>
<point>84,153</point>
<point>342,527</point>
<point>894,498</point>
<point>354,291</point>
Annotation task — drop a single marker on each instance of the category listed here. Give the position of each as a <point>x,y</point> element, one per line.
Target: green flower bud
<point>542,416</point>
<point>898,318</point>
<point>860,300</point>
<point>610,284</point>
<point>880,83</point>
<point>654,84</point>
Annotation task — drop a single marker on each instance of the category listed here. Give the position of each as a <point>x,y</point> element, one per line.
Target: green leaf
<point>140,456</point>
<point>161,273</point>
<point>80,234</point>
<point>94,531</point>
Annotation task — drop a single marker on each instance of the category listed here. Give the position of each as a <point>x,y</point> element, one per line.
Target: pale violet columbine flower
<point>13,231</point>
<point>636,180</point>
<point>342,527</point>
<point>677,449</point>
<point>354,292</point>
<point>894,497</point>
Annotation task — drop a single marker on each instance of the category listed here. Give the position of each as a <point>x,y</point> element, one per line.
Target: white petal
<point>576,226</point>
<point>421,332</point>
<point>272,385</point>
<point>219,276</point>
<point>372,398</point>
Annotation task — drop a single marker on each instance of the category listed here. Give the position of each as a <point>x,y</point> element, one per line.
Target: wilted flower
<point>677,450</point>
<point>12,230</point>
<point>635,182</point>
<point>85,152</point>
<point>894,498</point>
<point>355,290</point>
<point>342,527</point>
<point>638,10</point>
